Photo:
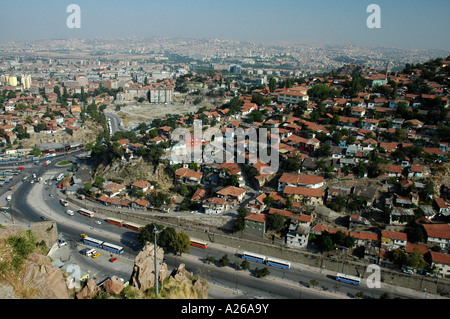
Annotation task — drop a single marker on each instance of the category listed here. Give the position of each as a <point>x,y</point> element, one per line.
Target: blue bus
<point>254,257</point>
<point>93,242</point>
<point>103,245</point>
<point>113,248</point>
<point>278,263</point>
<point>348,279</point>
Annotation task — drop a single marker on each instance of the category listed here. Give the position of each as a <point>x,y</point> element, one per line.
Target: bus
<point>114,221</point>
<point>252,256</point>
<point>348,279</point>
<point>132,226</point>
<point>278,263</point>
<point>199,243</point>
<point>113,248</point>
<point>93,242</point>
<point>86,212</point>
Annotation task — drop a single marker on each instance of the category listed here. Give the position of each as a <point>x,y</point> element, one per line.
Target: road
<point>226,282</point>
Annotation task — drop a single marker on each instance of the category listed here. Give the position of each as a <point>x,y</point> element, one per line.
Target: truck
<point>90,252</point>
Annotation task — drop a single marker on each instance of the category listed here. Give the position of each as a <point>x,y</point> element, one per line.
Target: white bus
<point>348,279</point>
<point>278,263</point>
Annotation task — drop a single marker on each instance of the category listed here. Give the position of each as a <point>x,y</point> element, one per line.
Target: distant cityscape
<point>254,57</point>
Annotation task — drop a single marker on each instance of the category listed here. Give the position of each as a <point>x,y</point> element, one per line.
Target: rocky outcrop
<point>114,285</point>
<point>42,280</point>
<point>89,291</point>
<point>181,275</point>
<point>143,276</point>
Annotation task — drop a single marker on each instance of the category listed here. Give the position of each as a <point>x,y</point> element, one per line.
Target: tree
<point>87,188</point>
<point>314,282</point>
<point>272,84</point>
<point>146,233</point>
<point>224,261</point>
<point>36,151</point>
<point>239,223</point>
<point>275,222</point>
<point>180,243</point>
<point>245,264</point>
<point>325,242</point>
<point>262,272</point>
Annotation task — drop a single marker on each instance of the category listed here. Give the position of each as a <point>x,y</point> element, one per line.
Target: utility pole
<point>156,232</point>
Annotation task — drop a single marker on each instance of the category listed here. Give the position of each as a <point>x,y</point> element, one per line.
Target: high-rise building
<point>11,80</point>
<point>235,69</point>
<point>26,81</point>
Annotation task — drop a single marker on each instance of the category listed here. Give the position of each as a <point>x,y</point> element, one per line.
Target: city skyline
<point>404,24</point>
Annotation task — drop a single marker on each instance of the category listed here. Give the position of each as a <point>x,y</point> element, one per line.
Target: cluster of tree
<point>328,242</point>
<point>167,238</point>
<point>414,260</point>
<point>322,92</point>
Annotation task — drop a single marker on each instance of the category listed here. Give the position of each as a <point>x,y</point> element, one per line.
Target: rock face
<point>200,287</point>
<point>89,291</point>
<point>143,276</point>
<point>113,286</point>
<point>42,279</point>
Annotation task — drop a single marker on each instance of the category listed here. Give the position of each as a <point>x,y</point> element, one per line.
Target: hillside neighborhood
<point>364,157</point>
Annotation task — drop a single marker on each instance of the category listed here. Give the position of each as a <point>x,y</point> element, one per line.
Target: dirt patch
<point>135,113</point>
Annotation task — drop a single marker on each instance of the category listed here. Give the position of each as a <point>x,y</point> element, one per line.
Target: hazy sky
<point>404,23</point>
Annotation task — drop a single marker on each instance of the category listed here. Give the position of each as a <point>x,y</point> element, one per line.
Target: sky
<point>404,23</point>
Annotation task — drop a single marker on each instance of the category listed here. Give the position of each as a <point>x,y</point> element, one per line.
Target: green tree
<point>262,272</point>
<point>224,261</point>
<point>180,243</point>
<point>276,222</point>
<point>146,233</point>
<point>239,223</point>
<point>36,151</point>
<point>272,84</point>
<point>245,264</point>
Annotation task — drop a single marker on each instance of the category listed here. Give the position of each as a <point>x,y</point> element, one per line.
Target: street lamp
<point>156,232</point>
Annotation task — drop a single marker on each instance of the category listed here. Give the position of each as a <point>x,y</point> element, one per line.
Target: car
<point>83,235</point>
<point>62,243</point>
<point>113,259</point>
<point>98,222</point>
<point>69,212</point>
<point>51,195</point>
<point>407,271</point>
<point>95,255</point>
<point>43,218</point>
